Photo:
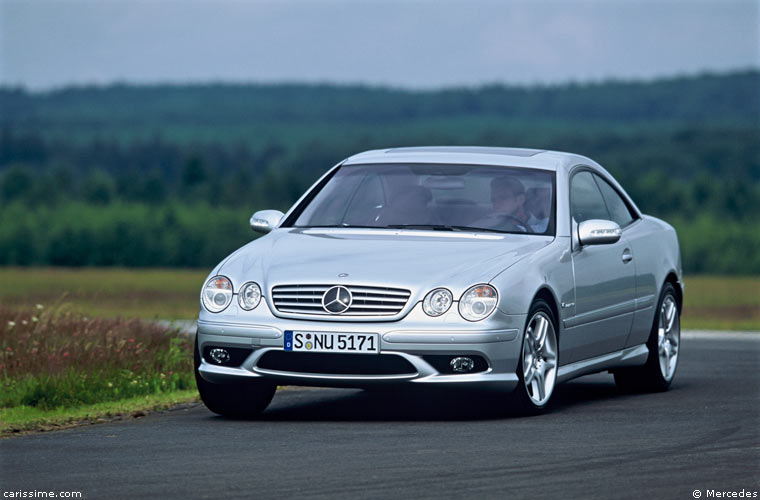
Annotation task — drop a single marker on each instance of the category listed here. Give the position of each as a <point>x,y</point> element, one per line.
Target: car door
<point>645,246</point>
<point>605,280</point>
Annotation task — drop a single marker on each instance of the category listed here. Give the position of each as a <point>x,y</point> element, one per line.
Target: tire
<point>245,399</point>
<point>664,347</point>
<point>539,360</point>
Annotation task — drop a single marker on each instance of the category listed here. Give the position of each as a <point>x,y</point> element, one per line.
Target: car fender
<point>548,268</point>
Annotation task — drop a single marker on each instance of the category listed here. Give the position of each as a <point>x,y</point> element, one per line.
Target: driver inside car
<point>508,201</point>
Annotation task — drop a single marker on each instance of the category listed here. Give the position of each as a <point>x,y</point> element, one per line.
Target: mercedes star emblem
<point>336,300</point>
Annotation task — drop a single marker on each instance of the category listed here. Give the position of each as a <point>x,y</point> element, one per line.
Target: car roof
<point>472,155</point>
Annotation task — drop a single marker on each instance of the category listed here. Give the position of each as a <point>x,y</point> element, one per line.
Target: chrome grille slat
<point>285,296</point>
<point>367,300</point>
<point>299,304</point>
<point>384,301</point>
<point>303,290</point>
<point>379,291</point>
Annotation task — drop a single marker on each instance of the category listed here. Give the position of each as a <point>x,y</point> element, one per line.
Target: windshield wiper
<point>436,227</point>
<point>341,226</point>
<point>431,227</point>
<point>442,227</point>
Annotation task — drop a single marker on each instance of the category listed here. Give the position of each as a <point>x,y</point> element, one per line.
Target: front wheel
<point>244,399</point>
<point>537,372</point>
<point>664,346</point>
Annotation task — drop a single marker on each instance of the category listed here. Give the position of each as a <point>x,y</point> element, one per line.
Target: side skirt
<point>630,356</point>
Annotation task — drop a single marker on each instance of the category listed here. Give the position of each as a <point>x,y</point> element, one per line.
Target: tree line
<point>168,175</point>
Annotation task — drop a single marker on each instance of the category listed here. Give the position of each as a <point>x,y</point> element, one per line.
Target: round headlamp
<point>437,302</point>
<point>249,296</point>
<point>217,294</point>
<point>478,302</point>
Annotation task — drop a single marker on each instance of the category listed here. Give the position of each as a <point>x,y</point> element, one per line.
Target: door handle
<point>627,256</point>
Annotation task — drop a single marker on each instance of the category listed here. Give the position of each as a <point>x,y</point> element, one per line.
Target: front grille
<point>336,364</point>
<point>366,300</point>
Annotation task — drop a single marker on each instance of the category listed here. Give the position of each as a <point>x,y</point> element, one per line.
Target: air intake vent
<point>365,300</point>
<point>336,364</point>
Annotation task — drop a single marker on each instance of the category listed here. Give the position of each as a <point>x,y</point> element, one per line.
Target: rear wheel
<point>242,399</point>
<point>537,372</point>
<point>664,345</point>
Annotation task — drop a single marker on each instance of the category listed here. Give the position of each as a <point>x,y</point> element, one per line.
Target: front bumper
<point>412,341</point>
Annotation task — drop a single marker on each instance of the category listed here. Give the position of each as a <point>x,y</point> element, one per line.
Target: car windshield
<point>437,197</point>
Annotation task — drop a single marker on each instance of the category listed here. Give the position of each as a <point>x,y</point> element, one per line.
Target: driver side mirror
<point>264,221</point>
<point>598,232</point>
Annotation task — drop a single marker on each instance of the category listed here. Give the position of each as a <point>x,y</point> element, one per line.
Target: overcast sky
<point>46,44</point>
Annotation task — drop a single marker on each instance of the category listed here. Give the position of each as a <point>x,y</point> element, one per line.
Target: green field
<point>711,302</point>
<point>111,292</point>
<point>722,303</point>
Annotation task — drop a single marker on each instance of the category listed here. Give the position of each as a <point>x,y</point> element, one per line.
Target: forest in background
<point>168,175</point>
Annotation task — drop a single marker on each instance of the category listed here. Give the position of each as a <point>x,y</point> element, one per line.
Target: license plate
<point>357,343</point>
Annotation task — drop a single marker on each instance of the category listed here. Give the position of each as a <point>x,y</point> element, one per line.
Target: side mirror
<point>598,232</point>
<point>264,221</point>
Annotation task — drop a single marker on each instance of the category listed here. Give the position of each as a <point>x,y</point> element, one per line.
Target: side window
<point>616,205</point>
<point>586,201</point>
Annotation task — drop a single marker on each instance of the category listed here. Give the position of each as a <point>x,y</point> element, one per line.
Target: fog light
<point>219,355</point>
<point>462,364</point>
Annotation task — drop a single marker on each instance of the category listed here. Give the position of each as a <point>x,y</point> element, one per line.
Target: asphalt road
<point>703,435</point>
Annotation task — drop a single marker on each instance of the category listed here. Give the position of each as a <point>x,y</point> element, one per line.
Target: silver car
<point>471,267</point>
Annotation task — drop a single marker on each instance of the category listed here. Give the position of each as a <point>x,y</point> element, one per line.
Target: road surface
<point>704,434</point>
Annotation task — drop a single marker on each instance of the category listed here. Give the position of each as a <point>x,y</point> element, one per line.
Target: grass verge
<point>22,419</point>
<point>53,363</point>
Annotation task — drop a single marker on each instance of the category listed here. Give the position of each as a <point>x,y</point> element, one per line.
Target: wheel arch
<point>546,294</point>
<point>672,278</point>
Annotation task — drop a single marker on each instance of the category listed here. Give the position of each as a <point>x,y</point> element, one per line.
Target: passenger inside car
<point>538,202</point>
<point>408,206</point>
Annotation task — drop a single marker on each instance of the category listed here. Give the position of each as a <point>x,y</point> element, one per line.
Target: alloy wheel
<point>668,337</point>
<point>540,359</point>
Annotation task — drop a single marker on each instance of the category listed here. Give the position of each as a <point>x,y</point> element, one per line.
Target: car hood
<point>416,260</point>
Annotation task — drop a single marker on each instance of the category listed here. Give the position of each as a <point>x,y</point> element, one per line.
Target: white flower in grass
<point>11,324</point>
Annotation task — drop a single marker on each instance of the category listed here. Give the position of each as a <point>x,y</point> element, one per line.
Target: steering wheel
<point>514,221</point>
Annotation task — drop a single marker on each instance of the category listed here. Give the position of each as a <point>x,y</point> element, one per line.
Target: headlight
<point>249,296</point>
<point>217,294</point>
<point>478,302</point>
<point>437,302</point>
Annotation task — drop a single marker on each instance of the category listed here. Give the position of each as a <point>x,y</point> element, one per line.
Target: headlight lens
<point>217,294</point>
<point>437,302</point>
<point>249,296</point>
<point>478,302</point>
